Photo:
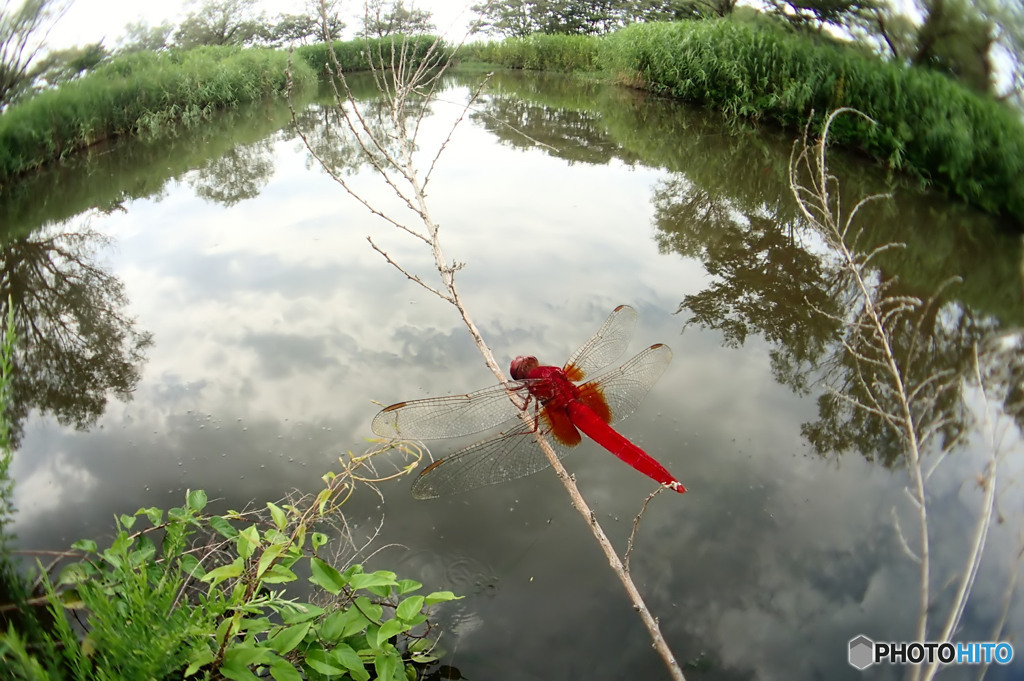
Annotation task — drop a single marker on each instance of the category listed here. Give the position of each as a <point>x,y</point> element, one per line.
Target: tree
<point>511,18</point>
<point>520,18</point>
<point>320,22</point>
<point>222,22</point>
<point>76,343</point>
<point>960,38</point>
<point>956,38</point>
<point>383,19</point>
<point>140,37</point>
<point>23,38</point>
<point>63,65</point>
<point>819,13</point>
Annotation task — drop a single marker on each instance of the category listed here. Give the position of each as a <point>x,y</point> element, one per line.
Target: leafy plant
<point>199,595</point>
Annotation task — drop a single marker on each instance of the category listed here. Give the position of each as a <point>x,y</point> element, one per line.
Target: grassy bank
<point>540,53</point>
<point>352,54</point>
<point>968,146</point>
<point>150,94</point>
<point>142,93</point>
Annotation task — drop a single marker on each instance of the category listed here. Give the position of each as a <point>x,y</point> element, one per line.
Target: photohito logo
<point>864,652</point>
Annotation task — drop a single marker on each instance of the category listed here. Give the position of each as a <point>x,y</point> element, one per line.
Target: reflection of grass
<point>142,93</point>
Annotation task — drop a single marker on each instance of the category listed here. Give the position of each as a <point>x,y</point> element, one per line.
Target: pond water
<point>219,321</point>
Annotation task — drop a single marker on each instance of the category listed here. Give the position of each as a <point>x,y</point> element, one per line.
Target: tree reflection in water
<point>75,342</point>
<point>775,277</point>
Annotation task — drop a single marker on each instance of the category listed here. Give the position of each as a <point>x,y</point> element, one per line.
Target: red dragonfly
<point>554,402</point>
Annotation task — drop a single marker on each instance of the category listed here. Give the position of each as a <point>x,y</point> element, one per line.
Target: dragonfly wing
<point>605,346</point>
<point>452,415</point>
<point>625,387</point>
<point>507,456</point>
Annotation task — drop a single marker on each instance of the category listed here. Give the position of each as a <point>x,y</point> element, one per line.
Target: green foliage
<point>60,66</point>
<point>140,36</point>
<point>154,605</point>
<point>222,22</point>
<point>968,145</point>
<point>928,125</point>
<point>139,93</point>
<point>23,29</point>
<point>382,19</point>
<point>356,55</point>
<point>520,18</point>
<point>539,52</point>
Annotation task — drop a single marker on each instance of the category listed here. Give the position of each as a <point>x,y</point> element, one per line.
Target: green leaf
<point>369,608</point>
<point>218,575</point>
<point>244,655</point>
<point>326,577</point>
<point>248,539</point>
<point>279,516</point>
<point>301,612</point>
<point>196,500</point>
<point>126,521</point>
<point>180,514</point>
<point>222,527</point>
<point>347,657</point>
<point>191,566</point>
<point>387,667</point>
<point>87,545</point>
<point>319,539</point>
<point>379,578</point>
<point>199,657</point>
<point>282,670</point>
<point>76,573</point>
<point>410,607</point>
<point>334,624</point>
<point>288,638</point>
<point>237,672</point>
<point>322,498</point>
<point>407,585</point>
<point>441,597</point>
<point>268,557</point>
<point>153,514</point>
<point>380,590</point>
<point>415,620</point>
<point>279,574</point>
<point>318,660</point>
<point>389,629</point>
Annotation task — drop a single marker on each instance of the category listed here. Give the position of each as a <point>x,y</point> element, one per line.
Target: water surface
<point>232,328</point>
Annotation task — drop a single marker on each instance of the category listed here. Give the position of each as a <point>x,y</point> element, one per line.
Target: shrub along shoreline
<point>142,93</point>
<point>150,94</point>
<point>969,146</point>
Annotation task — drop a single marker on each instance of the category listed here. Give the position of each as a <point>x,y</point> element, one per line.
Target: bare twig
<point>636,526</point>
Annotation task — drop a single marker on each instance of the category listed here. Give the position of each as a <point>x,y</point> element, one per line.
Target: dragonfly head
<point>522,366</point>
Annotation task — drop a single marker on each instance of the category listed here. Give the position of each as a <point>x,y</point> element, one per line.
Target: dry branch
<point>399,81</point>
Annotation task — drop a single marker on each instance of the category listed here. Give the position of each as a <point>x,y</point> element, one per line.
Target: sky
<point>88,21</point>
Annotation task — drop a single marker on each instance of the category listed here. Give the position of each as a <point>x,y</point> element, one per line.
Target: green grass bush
<point>967,145</point>
<point>353,54</point>
<point>539,52</point>
<point>140,93</point>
